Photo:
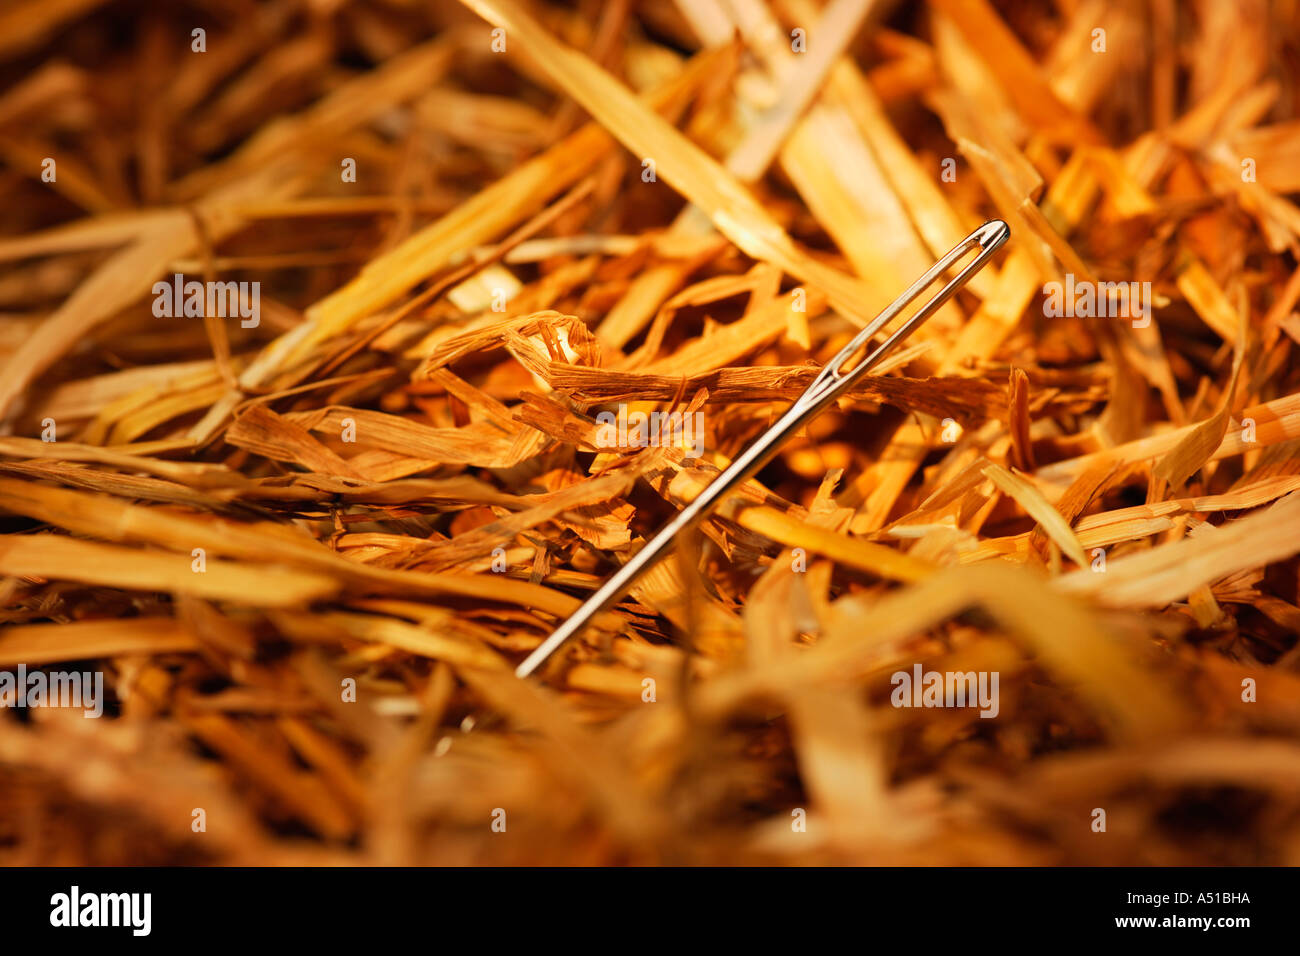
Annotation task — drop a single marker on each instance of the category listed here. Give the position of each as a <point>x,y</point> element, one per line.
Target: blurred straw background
<point>307,554</point>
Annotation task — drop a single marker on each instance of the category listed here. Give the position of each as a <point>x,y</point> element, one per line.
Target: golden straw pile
<point>306,546</point>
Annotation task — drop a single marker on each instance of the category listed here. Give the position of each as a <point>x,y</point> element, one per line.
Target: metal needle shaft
<point>833,381</point>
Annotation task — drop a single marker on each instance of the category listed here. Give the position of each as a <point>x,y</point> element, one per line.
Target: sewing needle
<point>833,381</point>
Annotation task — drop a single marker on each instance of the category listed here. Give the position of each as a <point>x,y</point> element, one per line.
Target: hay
<point>306,551</point>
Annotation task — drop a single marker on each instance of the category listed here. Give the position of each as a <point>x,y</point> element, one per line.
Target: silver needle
<point>832,382</point>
